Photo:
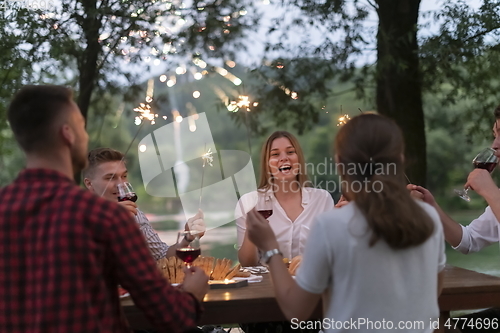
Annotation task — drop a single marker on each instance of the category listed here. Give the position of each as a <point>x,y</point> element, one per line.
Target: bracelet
<point>267,255</point>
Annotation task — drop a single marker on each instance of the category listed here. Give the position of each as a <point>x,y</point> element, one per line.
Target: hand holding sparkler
<point>196,224</point>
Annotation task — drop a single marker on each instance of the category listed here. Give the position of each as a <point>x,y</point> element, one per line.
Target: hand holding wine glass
<point>188,247</point>
<point>486,160</point>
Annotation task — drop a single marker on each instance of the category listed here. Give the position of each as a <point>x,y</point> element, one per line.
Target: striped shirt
<point>157,248</point>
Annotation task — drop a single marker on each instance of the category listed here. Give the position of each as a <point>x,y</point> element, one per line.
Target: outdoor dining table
<point>466,290</point>
<point>463,290</point>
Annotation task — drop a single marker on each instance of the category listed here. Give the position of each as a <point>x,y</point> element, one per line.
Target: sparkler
<point>243,103</point>
<point>343,120</point>
<point>144,114</point>
<point>207,159</point>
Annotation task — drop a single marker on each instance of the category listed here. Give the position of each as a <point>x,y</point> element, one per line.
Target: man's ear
<point>67,134</point>
<point>88,183</point>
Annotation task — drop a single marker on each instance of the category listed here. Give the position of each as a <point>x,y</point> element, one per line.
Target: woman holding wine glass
<point>380,257</point>
<point>284,197</point>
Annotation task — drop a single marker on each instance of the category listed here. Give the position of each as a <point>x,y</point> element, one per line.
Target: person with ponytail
<point>378,260</point>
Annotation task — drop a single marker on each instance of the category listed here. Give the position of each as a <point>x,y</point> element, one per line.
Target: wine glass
<point>126,192</point>
<point>188,249</point>
<point>264,207</point>
<point>487,160</point>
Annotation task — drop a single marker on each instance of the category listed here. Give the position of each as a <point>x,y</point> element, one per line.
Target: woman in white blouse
<point>285,188</point>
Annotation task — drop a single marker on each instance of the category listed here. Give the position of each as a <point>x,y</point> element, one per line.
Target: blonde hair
<point>266,177</point>
<point>98,156</point>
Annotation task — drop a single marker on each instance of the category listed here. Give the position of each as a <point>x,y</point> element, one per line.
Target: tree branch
<point>372,4</point>
<point>482,33</point>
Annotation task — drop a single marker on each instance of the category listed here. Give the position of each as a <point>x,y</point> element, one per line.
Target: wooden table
<point>224,306</point>
<point>463,290</point>
<point>467,290</point>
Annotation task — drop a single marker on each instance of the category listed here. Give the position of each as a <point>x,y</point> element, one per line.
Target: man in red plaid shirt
<point>63,250</point>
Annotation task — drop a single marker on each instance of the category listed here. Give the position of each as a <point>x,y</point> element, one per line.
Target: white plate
<point>251,279</point>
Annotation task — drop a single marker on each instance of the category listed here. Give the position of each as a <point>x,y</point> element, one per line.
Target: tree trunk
<point>88,60</point>
<point>398,93</point>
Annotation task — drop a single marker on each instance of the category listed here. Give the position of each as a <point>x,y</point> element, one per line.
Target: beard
<point>79,159</point>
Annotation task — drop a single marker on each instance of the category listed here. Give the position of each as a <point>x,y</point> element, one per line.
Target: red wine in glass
<point>126,192</point>
<point>490,166</point>
<point>131,196</point>
<point>266,213</point>
<point>188,254</point>
<point>486,160</point>
<point>264,207</point>
<point>189,247</point>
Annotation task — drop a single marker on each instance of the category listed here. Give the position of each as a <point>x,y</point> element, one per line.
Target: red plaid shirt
<point>63,251</point>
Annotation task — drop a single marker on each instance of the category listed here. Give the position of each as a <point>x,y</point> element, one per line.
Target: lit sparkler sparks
<point>144,109</point>
<point>243,103</point>
<point>145,112</point>
<point>207,158</point>
<point>343,120</point>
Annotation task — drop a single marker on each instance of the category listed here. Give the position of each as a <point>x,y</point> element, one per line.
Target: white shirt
<point>480,233</point>
<point>373,283</point>
<point>291,235</point>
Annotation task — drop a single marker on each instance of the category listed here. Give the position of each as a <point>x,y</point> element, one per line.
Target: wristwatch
<point>267,255</point>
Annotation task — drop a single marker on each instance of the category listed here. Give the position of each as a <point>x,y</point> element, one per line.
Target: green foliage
<point>299,71</point>
<point>94,44</point>
<point>461,62</point>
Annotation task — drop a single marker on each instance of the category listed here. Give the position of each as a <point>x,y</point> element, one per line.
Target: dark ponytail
<point>370,154</point>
